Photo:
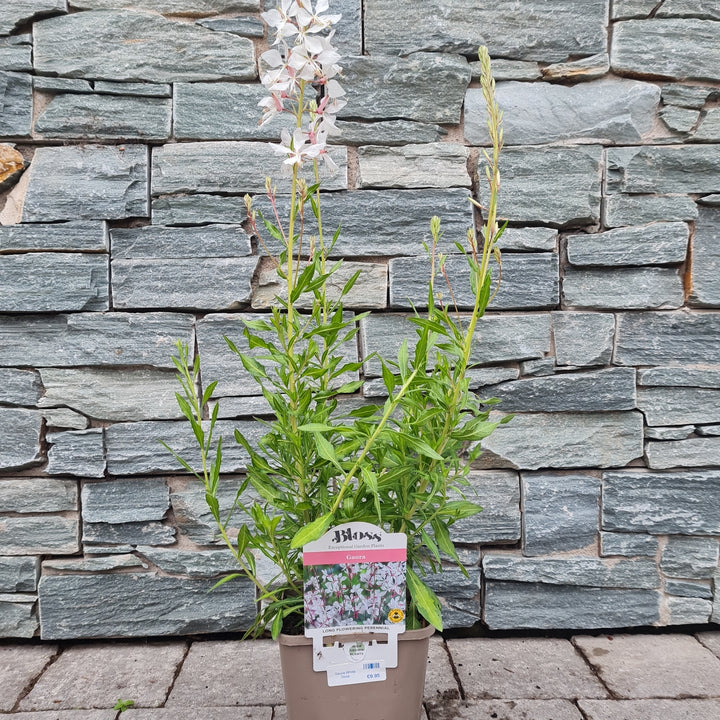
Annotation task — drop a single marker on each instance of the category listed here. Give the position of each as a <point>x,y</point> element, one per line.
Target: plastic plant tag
<point>354,583</point>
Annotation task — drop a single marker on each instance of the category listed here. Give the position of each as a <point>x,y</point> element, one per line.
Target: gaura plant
<point>323,460</point>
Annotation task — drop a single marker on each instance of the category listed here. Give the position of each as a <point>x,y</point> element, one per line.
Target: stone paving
<point>643,676</point>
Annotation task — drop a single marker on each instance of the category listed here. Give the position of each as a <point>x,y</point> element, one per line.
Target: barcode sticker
<point>371,666</point>
<point>354,673</point>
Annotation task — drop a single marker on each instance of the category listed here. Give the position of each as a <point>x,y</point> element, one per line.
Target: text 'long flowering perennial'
<point>299,72</point>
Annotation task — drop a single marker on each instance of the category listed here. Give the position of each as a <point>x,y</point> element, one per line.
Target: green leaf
<point>276,626</point>
<point>253,366</point>
<point>243,539</point>
<point>311,531</point>
<point>214,506</point>
<point>442,536</point>
<point>425,600</point>
<point>460,509</point>
<point>316,427</point>
<point>430,543</point>
<point>227,578</point>
<point>421,447</point>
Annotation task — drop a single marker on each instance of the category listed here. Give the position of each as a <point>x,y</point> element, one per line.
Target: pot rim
<point>420,634</point>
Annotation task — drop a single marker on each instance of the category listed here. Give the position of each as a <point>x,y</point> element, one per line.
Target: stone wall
<point>130,131</point>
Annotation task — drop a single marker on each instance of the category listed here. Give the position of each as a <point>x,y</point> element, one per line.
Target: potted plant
<point>400,465</point>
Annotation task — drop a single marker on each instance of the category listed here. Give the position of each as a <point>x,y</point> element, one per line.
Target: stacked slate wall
<point>130,134</point>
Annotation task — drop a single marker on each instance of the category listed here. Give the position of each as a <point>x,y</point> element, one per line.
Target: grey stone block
<point>676,503</point>
<point>134,448</point>
<point>212,167</point>
<point>134,46</point>
<point>649,709</point>
<point>245,25</point>
<point>141,89</point>
<point>16,58</point>
<point>511,605</point>
<point>690,557</point>
<point>565,440</point>
<point>663,169</point>
<point>91,339</point>
<point>509,70</point>
<point>646,288</point>
<point>560,512</point>
<point>174,7</point>
<point>188,712</point>
<point>459,596</point>
<point>79,236</point>
<point>500,338</point>
<point>508,709</point>
<point>20,12</point>
<point>709,129</point>
<point>212,667</point>
<point>100,117</point>
<point>529,280</point>
<point>19,574</point>
<point>686,96</point>
<point>203,563</point>
<point>587,68</point>
<point>21,665</point>
<point>24,495</point>
<point>40,534</point>
<point>19,387</point>
<point>710,200</point>
<point>17,102</point>
<point>144,672</point>
<point>627,9</point>
<point>207,241</point>
<point>680,120</point>
<point>621,210</point>
<point>583,339</point>
<point>499,522</point>
<point>657,47</point>
<point>557,30</point>
<point>571,571</point>
<point>693,452</point>
<point>611,389</point>
<point>671,665</point>
<point>17,615</point>
<point>705,264</point>
<point>205,284</point>
<point>389,222</point>
<point>557,186</point>
<point>46,282</point>
<point>688,8</point>
<point>54,85</point>
<point>427,87</point>
<point>669,433</point>
<point>369,291</point>
<point>127,535</point>
<point>538,368</point>
<point>662,338</point>
<point>62,418</point>
<point>76,452</point>
<point>604,111</point>
<point>386,132</point>
<point>434,165</point>
<point>223,111</point>
<point>708,430</point>
<point>529,239</point>
<point>687,588</point>
<point>21,441</point>
<point>124,501</point>
<point>119,394</point>
<point>68,715</point>
<point>87,182</point>
<point>95,564</point>
<point>628,544</point>
<point>654,244</point>
<point>143,605</point>
<point>679,405</point>
<point>688,611</point>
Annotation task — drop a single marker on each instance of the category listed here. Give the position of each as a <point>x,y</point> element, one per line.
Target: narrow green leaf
<point>227,578</point>
<point>276,626</point>
<point>460,509</point>
<point>425,600</point>
<point>311,531</point>
<point>442,537</point>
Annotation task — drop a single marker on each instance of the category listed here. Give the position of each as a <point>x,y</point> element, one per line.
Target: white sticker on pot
<point>354,583</point>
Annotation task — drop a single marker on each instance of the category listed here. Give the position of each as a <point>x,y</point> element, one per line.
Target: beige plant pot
<point>399,697</point>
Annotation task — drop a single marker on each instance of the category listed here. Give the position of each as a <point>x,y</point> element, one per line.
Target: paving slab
<point>440,681</point>
<point>650,709</point>
<point>19,666</point>
<point>653,666</point>
<point>711,640</point>
<point>506,710</point>
<point>62,715</point>
<point>230,672</point>
<point>510,668</point>
<point>97,675</point>
<point>191,713</point>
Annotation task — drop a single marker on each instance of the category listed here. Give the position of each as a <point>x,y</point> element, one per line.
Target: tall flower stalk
<point>401,464</point>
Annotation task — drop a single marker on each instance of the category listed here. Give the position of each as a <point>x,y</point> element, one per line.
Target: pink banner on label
<point>346,557</point>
